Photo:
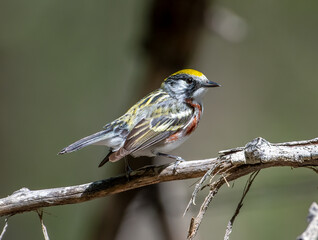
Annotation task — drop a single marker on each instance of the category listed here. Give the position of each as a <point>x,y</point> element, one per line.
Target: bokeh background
<point>69,67</point>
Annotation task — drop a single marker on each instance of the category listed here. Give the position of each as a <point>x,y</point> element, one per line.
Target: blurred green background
<point>69,67</point>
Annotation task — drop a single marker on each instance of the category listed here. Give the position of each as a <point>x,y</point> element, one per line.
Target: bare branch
<point>45,234</point>
<point>195,222</point>
<point>4,228</point>
<point>232,164</point>
<point>311,232</point>
<point>240,204</point>
<point>198,186</point>
<point>256,155</point>
<point>26,200</point>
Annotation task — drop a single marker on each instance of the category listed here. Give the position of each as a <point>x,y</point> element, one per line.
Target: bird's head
<point>186,84</point>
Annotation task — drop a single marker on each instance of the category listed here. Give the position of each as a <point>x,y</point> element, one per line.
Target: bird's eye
<point>189,80</point>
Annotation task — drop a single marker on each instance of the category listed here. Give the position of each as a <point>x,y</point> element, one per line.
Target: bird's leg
<point>128,169</point>
<point>177,158</point>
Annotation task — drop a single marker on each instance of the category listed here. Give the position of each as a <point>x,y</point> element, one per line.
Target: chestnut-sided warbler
<point>158,123</point>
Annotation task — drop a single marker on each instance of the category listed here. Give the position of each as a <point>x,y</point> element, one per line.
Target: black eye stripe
<point>190,81</point>
<point>179,77</point>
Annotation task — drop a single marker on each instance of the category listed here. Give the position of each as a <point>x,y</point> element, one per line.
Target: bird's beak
<point>210,84</point>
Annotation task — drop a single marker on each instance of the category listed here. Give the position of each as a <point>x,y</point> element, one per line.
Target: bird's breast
<point>194,122</point>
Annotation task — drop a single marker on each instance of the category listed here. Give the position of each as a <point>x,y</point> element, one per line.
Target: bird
<point>157,124</point>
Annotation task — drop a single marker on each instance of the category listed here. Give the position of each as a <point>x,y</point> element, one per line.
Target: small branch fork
<point>230,165</point>
<point>256,155</point>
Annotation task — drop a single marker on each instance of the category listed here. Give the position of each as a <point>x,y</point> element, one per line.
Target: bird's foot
<point>176,163</point>
<point>177,158</point>
<point>128,169</point>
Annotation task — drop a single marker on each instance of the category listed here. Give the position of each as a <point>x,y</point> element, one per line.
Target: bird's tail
<point>92,139</point>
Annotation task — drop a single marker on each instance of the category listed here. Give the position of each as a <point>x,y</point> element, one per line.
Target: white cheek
<point>183,84</point>
<point>180,87</point>
<point>199,93</point>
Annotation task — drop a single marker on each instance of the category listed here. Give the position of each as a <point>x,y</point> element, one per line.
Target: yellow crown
<point>189,71</point>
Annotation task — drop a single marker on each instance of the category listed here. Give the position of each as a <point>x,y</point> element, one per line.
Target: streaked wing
<point>152,130</point>
<point>127,121</point>
<point>143,136</point>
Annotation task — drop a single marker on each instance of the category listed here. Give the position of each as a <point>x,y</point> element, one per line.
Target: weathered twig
<point>311,233</point>
<point>26,200</point>
<point>198,186</point>
<point>240,205</point>
<point>195,222</point>
<point>4,228</point>
<point>232,164</point>
<point>44,230</point>
<point>257,154</point>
